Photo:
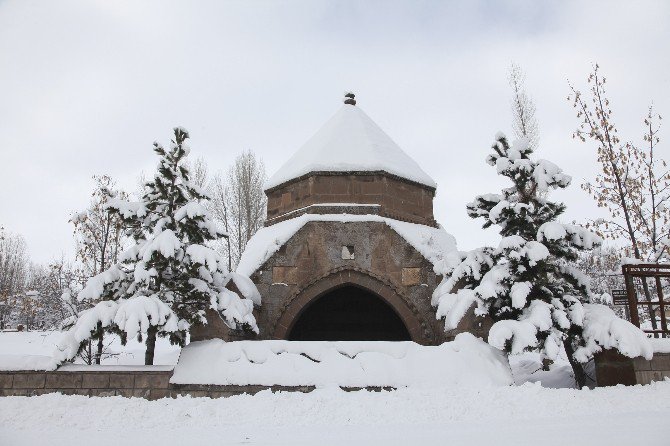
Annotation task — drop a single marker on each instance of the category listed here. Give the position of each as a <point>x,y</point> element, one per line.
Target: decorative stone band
<point>328,208</point>
<point>350,172</point>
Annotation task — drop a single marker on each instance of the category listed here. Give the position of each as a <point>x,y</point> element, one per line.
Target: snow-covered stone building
<point>350,248</point>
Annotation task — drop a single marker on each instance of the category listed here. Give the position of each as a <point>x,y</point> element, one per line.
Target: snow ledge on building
<point>435,244</point>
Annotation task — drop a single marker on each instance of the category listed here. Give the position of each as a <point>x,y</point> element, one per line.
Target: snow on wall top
<point>432,243</point>
<point>350,142</point>
<point>465,362</point>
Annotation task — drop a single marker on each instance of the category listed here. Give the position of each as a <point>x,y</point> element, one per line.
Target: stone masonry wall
<point>613,368</point>
<point>311,263</point>
<point>397,198</point>
<point>146,384</point>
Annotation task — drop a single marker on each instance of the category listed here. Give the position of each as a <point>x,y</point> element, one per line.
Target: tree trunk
<point>89,356</point>
<point>577,368</point>
<point>230,254</point>
<point>151,345</point>
<point>98,353</point>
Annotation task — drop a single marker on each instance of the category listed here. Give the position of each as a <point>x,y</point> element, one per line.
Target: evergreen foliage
<point>170,276</point>
<point>527,285</point>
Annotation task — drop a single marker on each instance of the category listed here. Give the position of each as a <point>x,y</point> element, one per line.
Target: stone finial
<point>350,98</point>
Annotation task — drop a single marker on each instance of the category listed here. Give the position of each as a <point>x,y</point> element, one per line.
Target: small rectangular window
<point>348,253</point>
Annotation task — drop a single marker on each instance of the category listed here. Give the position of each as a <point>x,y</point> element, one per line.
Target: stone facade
<point>392,196</point>
<point>324,256</point>
<point>311,264</point>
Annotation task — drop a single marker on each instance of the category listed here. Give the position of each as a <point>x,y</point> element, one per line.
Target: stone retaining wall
<point>612,368</point>
<point>145,384</point>
<point>149,384</point>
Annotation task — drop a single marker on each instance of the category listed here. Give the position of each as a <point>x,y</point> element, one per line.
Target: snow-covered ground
<point>528,414</point>
<point>35,348</point>
<point>525,415</point>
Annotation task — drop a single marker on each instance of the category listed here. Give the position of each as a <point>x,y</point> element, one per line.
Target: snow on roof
<point>432,243</point>
<point>350,142</point>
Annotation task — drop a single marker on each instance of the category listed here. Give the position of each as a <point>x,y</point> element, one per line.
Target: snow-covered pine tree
<point>169,277</point>
<point>527,285</point>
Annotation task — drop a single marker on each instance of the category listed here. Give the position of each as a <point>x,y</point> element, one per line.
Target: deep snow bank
<point>465,362</point>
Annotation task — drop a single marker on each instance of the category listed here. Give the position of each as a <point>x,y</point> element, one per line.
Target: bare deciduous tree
<point>603,268</point>
<point>238,202</point>
<point>523,108</point>
<point>219,207</point>
<point>199,173</point>
<point>246,203</point>
<point>14,265</point>
<point>99,235</point>
<point>51,282</point>
<point>633,185</point>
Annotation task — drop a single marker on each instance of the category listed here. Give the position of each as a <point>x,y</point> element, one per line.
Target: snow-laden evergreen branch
<point>170,276</point>
<point>527,284</point>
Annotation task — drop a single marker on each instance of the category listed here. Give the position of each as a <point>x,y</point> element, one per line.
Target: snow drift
<point>465,362</point>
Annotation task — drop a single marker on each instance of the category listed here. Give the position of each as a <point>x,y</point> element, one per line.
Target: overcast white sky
<point>87,86</point>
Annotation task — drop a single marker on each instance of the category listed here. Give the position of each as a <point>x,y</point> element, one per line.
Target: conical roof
<point>350,142</point>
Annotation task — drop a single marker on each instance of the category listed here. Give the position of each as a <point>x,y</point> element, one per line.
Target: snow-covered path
<point>525,415</point>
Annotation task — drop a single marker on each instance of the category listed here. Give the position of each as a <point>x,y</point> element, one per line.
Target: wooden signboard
<point>619,297</point>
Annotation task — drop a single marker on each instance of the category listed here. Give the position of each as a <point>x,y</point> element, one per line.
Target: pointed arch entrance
<point>349,305</point>
<point>348,313</point>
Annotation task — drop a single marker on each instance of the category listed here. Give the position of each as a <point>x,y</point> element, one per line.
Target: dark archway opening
<point>349,313</point>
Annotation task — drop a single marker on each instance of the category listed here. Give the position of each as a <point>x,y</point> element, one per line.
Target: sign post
<point>620,297</point>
